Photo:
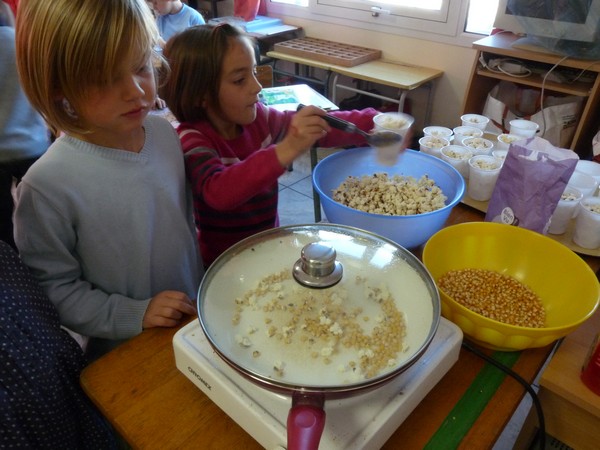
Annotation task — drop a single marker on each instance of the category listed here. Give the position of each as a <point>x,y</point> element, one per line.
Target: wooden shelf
<point>507,45</point>
<point>579,89</point>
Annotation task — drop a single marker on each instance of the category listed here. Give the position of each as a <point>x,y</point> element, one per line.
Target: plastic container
<point>586,183</point>
<point>478,145</point>
<point>432,145</point>
<point>438,131</point>
<point>458,157</point>
<point>393,121</point>
<point>522,127</point>
<point>587,223</point>
<point>474,120</point>
<point>504,140</point>
<point>590,375</point>
<point>549,268</point>
<point>463,132</point>
<point>590,167</point>
<point>565,210</point>
<point>408,231</point>
<point>483,174</point>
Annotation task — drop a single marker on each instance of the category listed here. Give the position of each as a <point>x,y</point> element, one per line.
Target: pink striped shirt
<point>234,182</point>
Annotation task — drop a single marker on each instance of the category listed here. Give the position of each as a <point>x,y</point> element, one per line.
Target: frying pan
<point>319,262</point>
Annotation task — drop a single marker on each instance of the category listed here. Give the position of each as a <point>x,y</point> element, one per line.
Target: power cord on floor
<point>540,437</point>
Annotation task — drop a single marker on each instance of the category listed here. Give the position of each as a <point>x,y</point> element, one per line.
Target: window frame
<point>449,29</point>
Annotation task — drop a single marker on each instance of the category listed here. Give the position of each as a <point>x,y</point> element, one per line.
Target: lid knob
<point>317,266</point>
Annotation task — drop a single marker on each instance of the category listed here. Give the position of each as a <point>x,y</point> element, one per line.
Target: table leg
<point>316,201</point>
<point>430,86</point>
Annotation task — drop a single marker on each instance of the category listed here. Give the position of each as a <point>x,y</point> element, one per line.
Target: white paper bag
<point>558,120</point>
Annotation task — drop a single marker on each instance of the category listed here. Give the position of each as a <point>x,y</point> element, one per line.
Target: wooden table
<point>154,406</point>
<point>401,76</point>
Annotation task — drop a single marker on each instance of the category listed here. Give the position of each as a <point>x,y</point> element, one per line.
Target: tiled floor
<point>296,207</point>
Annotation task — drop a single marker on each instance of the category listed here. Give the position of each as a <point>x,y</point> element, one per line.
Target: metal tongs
<point>379,138</point>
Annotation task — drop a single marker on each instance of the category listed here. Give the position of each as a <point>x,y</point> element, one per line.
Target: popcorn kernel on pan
<point>320,322</point>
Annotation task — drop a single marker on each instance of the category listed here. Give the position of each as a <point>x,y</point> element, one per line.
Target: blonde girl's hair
<point>195,60</point>
<point>65,48</point>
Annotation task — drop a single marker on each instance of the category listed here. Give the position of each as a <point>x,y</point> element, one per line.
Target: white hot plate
<point>363,421</point>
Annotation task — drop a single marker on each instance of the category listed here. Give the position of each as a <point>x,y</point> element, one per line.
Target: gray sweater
<point>104,230</point>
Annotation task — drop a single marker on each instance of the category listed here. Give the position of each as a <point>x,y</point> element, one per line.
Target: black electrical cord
<point>540,437</point>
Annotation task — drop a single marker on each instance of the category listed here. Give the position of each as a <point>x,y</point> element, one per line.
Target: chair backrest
<point>264,74</point>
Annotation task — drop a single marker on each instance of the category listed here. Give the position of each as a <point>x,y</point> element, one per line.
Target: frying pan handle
<point>306,421</point>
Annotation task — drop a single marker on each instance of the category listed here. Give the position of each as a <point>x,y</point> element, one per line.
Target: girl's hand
<point>306,128</point>
<point>167,308</point>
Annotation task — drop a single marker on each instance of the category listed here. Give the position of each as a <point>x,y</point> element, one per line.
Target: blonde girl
<point>103,219</point>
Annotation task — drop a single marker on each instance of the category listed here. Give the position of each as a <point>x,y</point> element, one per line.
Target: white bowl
<point>432,145</point>
<point>504,140</point>
<point>479,146</point>
<point>439,132</point>
<point>590,167</point>
<point>474,120</point>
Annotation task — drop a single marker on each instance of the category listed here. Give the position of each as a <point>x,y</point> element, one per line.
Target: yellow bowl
<point>566,285</point>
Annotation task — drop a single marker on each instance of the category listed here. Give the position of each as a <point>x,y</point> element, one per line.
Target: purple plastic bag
<point>529,186</point>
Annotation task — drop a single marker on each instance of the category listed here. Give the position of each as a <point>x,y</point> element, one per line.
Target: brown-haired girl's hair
<point>195,57</point>
<point>66,47</point>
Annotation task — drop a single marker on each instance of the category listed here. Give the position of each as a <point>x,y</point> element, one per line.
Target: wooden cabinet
<point>571,410</point>
<point>505,45</point>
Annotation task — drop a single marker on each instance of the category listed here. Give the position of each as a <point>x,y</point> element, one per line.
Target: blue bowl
<point>408,231</point>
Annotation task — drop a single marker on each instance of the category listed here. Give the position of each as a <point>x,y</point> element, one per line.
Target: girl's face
<point>238,91</point>
<point>116,112</point>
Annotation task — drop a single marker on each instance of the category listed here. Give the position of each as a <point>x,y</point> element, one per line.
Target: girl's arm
<point>46,240</point>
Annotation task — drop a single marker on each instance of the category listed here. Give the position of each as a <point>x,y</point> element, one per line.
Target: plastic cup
<point>483,174</point>
<point>522,127</point>
<point>590,167</point>
<point>587,223</point>
<point>474,120</point>
<point>586,183</point>
<point>500,155</point>
<point>437,131</point>
<point>504,140</point>
<point>565,210</point>
<point>393,121</point>
<point>458,157</point>
<point>464,132</point>
<point>478,145</point>
<point>432,145</point>
<point>387,155</point>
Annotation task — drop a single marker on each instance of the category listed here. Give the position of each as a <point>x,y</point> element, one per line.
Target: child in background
<point>235,147</point>
<point>174,16</point>
<point>24,136</point>
<point>103,219</point>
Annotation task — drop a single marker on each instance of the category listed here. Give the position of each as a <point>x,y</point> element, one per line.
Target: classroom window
<point>429,19</point>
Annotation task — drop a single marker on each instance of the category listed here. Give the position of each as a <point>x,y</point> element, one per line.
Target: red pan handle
<point>306,421</point>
